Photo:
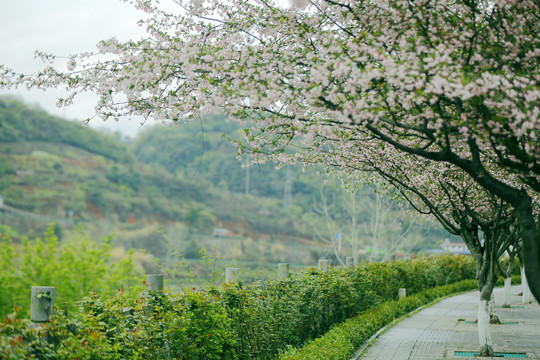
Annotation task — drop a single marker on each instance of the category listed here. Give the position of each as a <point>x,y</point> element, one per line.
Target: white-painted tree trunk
<point>526,292</point>
<point>493,318</point>
<point>484,335</point>
<point>507,291</point>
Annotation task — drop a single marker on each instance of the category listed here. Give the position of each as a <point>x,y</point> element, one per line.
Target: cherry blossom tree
<point>450,81</point>
<point>487,235</point>
<point>484,222</point>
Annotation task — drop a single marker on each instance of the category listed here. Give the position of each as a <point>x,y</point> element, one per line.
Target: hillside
<point>173,186</point>
<point>23,123</point>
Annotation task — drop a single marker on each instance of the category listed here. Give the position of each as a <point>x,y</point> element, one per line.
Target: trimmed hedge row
<point>342,341</point>
<point>234,321</point>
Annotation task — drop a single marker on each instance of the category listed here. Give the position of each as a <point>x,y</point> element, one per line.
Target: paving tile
<point>435,332</point>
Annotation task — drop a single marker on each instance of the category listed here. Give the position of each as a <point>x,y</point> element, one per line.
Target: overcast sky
<point>63,27</point>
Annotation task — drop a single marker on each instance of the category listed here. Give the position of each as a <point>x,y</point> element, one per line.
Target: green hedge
<point>234,321</point>
<point>342,341</point>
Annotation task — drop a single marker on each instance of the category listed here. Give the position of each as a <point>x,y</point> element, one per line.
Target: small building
<point>455,247</point>
<point>24,172</point>
<point>219,232</point>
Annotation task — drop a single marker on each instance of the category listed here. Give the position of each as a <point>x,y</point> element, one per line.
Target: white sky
<point>63,27</point>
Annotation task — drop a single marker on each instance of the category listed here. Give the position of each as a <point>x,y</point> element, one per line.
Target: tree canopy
<point>452,81</point>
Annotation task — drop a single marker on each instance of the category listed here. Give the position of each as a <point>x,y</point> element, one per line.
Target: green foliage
<point>73,267</point>
<point>241,321</point>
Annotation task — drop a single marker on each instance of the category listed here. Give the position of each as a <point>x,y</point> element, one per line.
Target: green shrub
<point>74,268</point>
<point>245,321</point>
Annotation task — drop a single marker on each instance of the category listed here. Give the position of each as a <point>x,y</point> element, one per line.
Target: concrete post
<point>349,261</point>
<point>283,270</point>
<point>231,274</point>
<point>154,282</point>
<point>42,303</point>
<point>402,293</point>
<point>154,291</point>
<point>323,265</point>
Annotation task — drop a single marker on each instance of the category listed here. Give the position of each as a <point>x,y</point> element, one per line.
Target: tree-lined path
<point>441,330</point>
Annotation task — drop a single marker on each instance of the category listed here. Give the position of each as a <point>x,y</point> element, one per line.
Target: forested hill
<point>200,150</point>
<point>51,167</point>
<point>20,122</point>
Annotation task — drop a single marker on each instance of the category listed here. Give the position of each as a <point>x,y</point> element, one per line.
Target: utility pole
<point>287,191</point>
<point>247,179</point>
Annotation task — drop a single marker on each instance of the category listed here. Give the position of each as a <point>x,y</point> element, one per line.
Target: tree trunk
<point>486,276</point>
<point>525,291</point>
<point>507,292</point>
<point>354,237</point>
<point>484,335</point>
<point>530,233</point>
<point>493,318</point>
<point>522,203</point>
<point>508,279</point>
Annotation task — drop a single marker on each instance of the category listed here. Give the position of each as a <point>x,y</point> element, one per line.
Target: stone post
<point>154,282</point>
<point>153,293</point>
<point>402,293</point>
<point>283,270</point>
<point>323,265</point>
<point>42,303</point>
<point>349,261</point>
<point>231,274</point>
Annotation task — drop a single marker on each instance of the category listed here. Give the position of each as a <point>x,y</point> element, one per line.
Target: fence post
<point>323,265</point>
<point>154,292</point>
<point>402,293</point>
<point>42,303</point>
<point>154,282</point>
<point>231,274</point>
<point>349,261</point>
<point>283,270</point>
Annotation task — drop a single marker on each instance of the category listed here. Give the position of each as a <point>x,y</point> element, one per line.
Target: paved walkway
<point>447,328</point>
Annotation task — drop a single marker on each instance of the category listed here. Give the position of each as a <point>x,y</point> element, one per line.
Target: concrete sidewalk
<point>447,330</point>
